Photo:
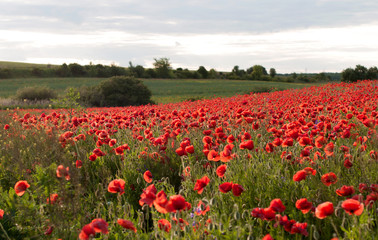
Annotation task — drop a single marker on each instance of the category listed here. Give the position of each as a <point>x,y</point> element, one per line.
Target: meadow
<point>292,164</point>
<point>163,90</point>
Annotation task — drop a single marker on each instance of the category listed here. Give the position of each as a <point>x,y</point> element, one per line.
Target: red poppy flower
<point>269,147</point>
<point>304,205</point>
<point>160,202</point>
<point>303,141</point>
<point>300,228</point>
<point>100,225</point>
<point>49,230</point>
<point>189,149</point>
<point>328,149</point>
<point>221,170</point>
<point>148,196</point>
<point>79,163</point>
<point>287,142</point>
<point>92,157</point>
<point>247,145</point>
<point>345,191</point>
<point>213,156</point>
<point>320,141</point>
<point>310,171</point>
<point>258,213</point>
<point>98,152</point>
<point>269,214</point>
<point>362,187</point>
<point>201,184</point>
<point>182,223</point>
<point>329,178</point>
<point>181,151</point>
<point>52,199</point>
<point>147,176</point>
<point>277,205</point>
<point>117,186</point>
<point>225,187</point>
<point>300,175</point>
<point>127,224</point>
<point>237,189</point>
<point>164,225</point>
<point>61,171</point>
<point>87,232</point>
<point>267,237</point>
<point>347,163</point>
<point>201,209</point>
<point>323,210</point>
<point>1,214</point>
<point>353,207</point>
<point>175,203</point>
<point>6,126</point>
<point>21,187</point>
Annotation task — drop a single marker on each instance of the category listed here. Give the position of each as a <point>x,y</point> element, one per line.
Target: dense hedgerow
<point>35,93</point>
<point>294,164</point>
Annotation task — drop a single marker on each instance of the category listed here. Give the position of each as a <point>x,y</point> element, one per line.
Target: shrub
<point>35,93</point>
<point>116,92</point>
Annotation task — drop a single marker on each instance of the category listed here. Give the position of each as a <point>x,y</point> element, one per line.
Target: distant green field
<point>163,90</point>
<point>21,65</point>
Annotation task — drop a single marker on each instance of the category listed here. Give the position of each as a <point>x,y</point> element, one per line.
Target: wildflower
<point>225,187</point>
<point>353,207</point>
<point>21,187</point>
<point>100,225</point>
<point>237,189</point>
<point>201,209</point>
<point>147,176</point>
<point>117,186</point>
<point>175,203</point>
<point>329,178</point>
<point>148,196</point>
<point>127,224</point>
<point>247,145</point>
<point>323,210</point>
<point>276,205</point>
<point>304,205</point>
<point>221,170</point>
<point>61,171</point>
<point>52,199</point>
<point>201,184</point>
<point>164,225</point>
<point>345,191</point>
<point>87,232</point>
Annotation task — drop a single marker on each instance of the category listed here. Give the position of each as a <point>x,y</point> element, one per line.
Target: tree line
<point>163,69</point>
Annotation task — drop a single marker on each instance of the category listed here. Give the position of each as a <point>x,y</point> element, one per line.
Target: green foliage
<point>124,91</point>
<point>163,68</point>
<point>359,73</point>
<point>272,72</point>
<point>35,93</point>
<point>202,70</point>
<point>70,100</point>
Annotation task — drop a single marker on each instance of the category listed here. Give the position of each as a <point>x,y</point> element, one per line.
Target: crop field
<point>163,90</point>
<point>292,164</point>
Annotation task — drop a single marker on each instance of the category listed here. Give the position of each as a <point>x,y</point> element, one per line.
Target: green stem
<point>5,232</point>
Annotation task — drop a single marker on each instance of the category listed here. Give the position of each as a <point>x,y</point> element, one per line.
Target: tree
<point>358,73</point>
<point>203,72</point>
<point>76,70</point>
<point>372,73</point>
<point>258,72</point>
<point>272,72</point>
<point>163,67</point>
<point>124,91</point>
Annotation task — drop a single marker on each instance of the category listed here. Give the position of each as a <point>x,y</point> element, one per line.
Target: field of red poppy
<point>293,164</point>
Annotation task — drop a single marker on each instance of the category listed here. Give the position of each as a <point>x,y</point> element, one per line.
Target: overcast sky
<point>288,35</point>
